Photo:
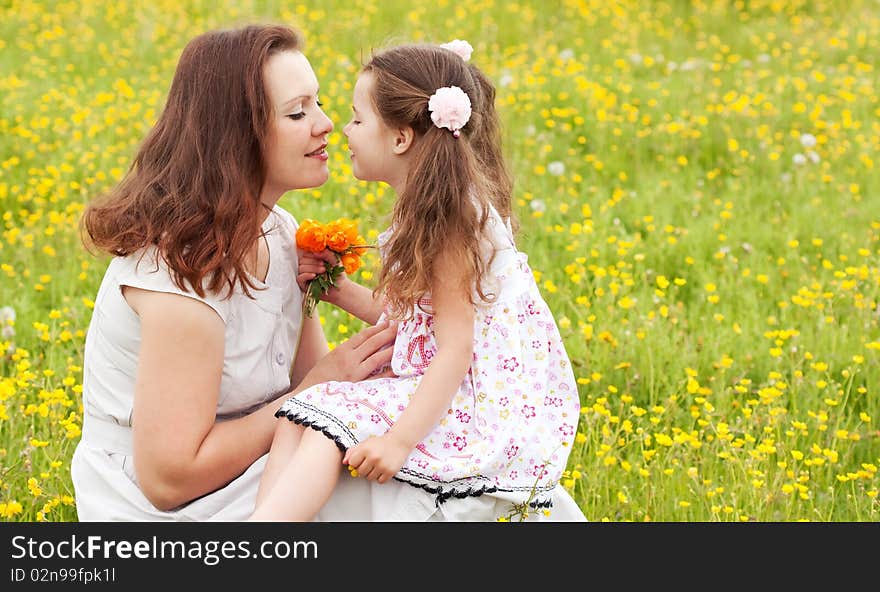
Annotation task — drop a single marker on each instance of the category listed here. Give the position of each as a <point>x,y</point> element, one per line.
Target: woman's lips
<point>320,153</point>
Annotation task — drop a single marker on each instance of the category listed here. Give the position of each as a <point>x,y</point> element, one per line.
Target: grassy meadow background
<point>697,186</point>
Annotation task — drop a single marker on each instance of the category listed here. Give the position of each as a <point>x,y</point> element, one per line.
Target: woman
<point>197,318</point>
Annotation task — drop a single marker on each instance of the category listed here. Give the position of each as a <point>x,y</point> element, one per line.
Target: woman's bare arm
<point>180,451</point>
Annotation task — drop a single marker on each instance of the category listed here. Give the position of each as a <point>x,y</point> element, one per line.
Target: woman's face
<point>370,140</point>
<point>295,155</point>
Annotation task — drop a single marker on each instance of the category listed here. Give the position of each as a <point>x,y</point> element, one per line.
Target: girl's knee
<point>287,430</point>
<point>320,440</point>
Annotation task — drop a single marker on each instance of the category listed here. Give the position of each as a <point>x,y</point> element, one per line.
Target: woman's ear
<point>403,139</point>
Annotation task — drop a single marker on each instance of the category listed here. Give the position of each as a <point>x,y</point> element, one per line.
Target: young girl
<point>484,400</point>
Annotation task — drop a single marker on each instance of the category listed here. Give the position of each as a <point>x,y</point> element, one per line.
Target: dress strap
<point>509,229</point>
<point>502,223</point>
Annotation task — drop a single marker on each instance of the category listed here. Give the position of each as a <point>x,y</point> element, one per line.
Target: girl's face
<point>295,155</point>
<point>370,141</point>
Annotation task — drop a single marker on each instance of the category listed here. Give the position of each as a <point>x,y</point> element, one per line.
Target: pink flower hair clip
<point>460,47</point>
<point>450,107</point>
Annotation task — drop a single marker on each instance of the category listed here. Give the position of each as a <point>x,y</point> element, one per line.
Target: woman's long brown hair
<point>451,183</point>
<point>193,189</point>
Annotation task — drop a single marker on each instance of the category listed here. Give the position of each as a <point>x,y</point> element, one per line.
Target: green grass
<point>743,387</point>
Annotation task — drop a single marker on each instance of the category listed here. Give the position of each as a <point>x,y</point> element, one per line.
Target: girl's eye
<point>320,104</point>
<point>297,116</point>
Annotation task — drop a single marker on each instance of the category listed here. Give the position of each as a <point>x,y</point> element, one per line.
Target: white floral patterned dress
<point>509,428</point>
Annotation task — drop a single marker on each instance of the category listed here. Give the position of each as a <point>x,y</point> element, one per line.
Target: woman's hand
<point>378,458</point>
<point>358,357</point>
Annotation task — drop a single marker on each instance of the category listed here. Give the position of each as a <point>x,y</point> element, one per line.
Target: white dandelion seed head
<point>814,158</point>
<point>505,80</point>
<point>799,159</point>
<point>673,66</point>
<point>636,58</point>
<point>785,178</point>
<point>566,54</point>
<point>7,332</point>
<point>538,205</point>
<point>556,168</point>
<point>763,58</point>
<point>808,140</point>
<point>7,313</point>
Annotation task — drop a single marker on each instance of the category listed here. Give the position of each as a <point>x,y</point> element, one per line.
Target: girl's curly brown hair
<point>451,183</point>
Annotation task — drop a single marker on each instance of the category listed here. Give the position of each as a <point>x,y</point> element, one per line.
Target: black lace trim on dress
<point>441,493</point>
<point>297,419</point>
<point>444,494</point>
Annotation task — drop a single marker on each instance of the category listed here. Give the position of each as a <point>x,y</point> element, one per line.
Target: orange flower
<point>360,241</point>
<point>340,234</point>
<point>336,241</point>
<point>351,262</point>
<point>311,236</point>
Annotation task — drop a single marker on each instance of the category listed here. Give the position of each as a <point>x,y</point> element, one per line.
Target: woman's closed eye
<point>300,114</point>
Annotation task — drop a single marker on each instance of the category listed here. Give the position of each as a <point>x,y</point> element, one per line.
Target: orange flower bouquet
<point>342,238</point>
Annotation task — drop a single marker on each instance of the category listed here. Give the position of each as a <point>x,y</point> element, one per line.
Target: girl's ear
<point>403,139</point>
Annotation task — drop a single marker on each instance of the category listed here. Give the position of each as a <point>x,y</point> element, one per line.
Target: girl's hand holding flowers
<point>329,250</point>
<point>378,458</point>
<point>313,264</point>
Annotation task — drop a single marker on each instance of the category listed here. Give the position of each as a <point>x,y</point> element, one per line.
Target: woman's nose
<point>324,125</point>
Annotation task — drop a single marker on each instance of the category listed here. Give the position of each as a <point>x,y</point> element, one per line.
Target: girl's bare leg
<point>304,485</point>
<point>284,444</point>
